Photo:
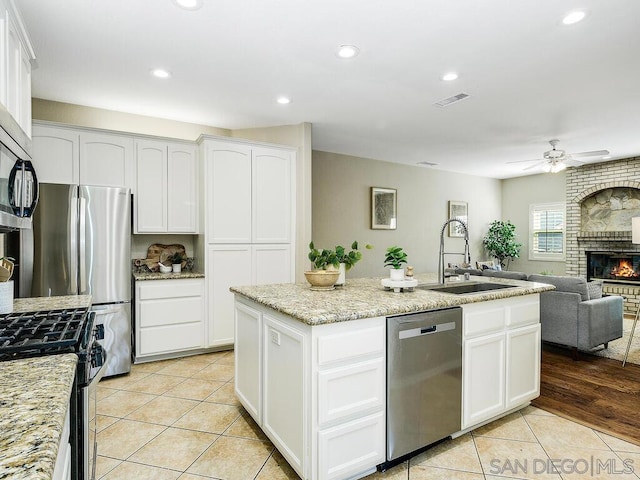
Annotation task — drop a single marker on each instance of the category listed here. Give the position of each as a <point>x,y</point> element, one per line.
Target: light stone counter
<point>34,398</point>
<point>166,276</point>
<point>36,304</point>
<point>367,298</point>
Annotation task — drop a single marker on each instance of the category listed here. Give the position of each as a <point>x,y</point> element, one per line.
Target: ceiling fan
<point>556,160</point>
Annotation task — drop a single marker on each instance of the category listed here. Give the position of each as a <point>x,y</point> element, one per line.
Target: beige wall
<point>294,135</point>
<point>125,122</point>
<point>517,195</point>
<point>341,209</point>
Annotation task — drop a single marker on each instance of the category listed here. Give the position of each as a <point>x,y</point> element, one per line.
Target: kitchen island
<point>311,365</point>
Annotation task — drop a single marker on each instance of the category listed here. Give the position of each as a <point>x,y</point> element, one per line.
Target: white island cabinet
<point>315,380</point>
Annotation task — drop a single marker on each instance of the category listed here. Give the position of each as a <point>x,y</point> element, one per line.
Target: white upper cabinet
<point>166,190</point>
<point>79,157</point>
<point>56,155</point>
<point>105,160</point>
<point>16,55</point>
<point>271,201</point>
<point>249,193</point>
<point>228,193</point>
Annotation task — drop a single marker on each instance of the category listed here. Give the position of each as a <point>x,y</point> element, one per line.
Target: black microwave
<point>18,186</point>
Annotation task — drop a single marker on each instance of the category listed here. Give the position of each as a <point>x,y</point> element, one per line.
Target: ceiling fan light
<point>558,167</point>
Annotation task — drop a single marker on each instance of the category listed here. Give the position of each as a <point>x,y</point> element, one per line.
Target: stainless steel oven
<point>51,332</point>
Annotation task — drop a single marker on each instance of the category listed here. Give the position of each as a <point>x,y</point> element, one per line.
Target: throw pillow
<point>594,289</point>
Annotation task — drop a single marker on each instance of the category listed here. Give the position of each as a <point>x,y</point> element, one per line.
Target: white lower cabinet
<point>62,469</point>
<point>320,396</point>
<point>169,316</point>
<point>284,364</point>
<point>501,357</point>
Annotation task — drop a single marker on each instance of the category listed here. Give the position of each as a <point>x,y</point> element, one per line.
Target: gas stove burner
<point>42,332</point>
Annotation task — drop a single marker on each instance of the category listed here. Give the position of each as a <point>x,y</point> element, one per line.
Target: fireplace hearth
<point>619,267</point>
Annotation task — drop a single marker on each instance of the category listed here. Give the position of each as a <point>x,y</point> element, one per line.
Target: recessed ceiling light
<point>347,51</point>
<point>574,17</point>
<point>188,4</point>
<point>283,100</point>
<point>160,73</point>
<point>448,77</point>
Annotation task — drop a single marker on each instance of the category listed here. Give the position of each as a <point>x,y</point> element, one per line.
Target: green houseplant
<point>176,262</point>
<point>394,258</point>
<point>322,277</point>
<point>348,259</point>
<point>500,242</point>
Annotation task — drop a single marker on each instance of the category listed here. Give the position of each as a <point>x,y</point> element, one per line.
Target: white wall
<point>517,195</point>
<point>342,210</point>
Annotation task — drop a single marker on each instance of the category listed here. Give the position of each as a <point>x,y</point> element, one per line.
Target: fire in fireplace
<point>614,266</point>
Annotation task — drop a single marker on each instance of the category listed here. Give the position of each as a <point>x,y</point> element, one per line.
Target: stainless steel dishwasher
<point>424,379</point>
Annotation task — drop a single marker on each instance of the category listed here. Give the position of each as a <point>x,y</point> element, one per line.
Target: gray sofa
<point>572,315</point>
<point>575,314</point>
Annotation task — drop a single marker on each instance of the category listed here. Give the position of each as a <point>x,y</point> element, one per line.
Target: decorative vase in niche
<point>396,273</point>
<point>177,267</point>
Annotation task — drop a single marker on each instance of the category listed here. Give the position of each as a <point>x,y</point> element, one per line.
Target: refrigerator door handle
<point>73,241</point>
<point>82,244</point>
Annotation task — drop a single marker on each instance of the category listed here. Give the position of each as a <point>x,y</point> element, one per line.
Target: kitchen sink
<point>464,288</point>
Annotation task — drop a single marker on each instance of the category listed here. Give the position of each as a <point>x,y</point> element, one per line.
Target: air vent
<point>427,164</point>
<point>448,101</point>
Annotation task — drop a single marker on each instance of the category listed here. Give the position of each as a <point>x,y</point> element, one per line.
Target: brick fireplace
<point>601,199</point>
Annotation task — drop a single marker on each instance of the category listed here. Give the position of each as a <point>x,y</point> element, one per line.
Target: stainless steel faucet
<point>466,253</point>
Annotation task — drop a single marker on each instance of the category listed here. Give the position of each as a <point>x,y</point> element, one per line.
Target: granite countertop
<point>36,304</point>
<point>166,276</point>
<point>367,298</point>
<point>34,398</point>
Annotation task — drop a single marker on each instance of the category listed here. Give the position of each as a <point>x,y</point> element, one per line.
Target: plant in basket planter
<point>394,258</point>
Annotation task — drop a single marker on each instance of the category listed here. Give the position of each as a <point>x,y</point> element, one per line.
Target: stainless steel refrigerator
<point>81,245</point>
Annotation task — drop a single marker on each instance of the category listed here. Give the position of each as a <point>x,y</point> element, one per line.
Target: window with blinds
<point>547,231</point>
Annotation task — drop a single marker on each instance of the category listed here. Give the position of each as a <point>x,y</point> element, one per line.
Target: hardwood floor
<point>594,391</point>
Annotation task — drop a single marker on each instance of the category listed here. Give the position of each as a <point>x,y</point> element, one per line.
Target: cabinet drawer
<point>483,320</point>
<point>171,311</point>
<point>170,338</point>
<point>352,344</point>
<point>526,311</point>
<point>164,289</point>
<point>351,448</point>
<point>349,390</point>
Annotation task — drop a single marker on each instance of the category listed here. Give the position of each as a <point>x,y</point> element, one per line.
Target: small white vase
<point>396,273</point>
<point>342,277</point>
<point>177,267</point>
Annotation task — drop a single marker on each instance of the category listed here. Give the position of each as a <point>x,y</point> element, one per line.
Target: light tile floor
<point>179,419</point>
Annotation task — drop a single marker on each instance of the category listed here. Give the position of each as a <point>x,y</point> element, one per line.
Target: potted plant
<point>176,262</point>
<point>500,242</point>
<point>348,259</point>
<point>394,258</point>
<point>322,277</point>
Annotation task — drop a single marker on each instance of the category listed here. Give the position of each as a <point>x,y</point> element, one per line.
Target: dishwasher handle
<point>429,330</point>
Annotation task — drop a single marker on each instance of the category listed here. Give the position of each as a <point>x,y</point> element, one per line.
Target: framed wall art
<point>459,211</point>
<point>383,208</point>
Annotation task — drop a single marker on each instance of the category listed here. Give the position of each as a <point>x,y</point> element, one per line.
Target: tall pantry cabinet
<point>249,223</point>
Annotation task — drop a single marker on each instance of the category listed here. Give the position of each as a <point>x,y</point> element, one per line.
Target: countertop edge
<point>142,277</point>
<point>318,310</point>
